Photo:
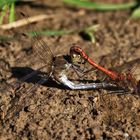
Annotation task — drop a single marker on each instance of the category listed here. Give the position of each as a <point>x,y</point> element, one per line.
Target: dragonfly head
<point>75,55</point>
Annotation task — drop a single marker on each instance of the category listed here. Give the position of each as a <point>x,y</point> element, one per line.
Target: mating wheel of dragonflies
<point>56,68</point>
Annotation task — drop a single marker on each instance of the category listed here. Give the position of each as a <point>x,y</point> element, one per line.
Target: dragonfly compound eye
<point>76,58</point>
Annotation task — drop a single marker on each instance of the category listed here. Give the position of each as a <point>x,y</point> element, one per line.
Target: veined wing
<point>42,52</point>
<point>131,66</point>
<point>40,47</point>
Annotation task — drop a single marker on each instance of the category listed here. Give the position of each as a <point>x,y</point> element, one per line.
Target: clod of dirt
<point>5,70</point>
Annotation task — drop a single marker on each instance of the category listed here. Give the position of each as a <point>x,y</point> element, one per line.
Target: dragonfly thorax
<point>60,65</point>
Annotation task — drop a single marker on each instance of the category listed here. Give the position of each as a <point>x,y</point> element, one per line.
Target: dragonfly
<point>56,68</point>
<point>122,76</point>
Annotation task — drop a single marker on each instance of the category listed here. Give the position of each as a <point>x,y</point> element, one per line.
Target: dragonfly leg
<point>118,91</point>
<point>102,85</point>
<point>81,73</point>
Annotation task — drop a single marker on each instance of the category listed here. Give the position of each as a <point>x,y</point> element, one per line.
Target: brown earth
<point>53,112</point>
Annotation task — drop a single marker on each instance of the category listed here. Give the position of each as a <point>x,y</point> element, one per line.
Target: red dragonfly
<point>121,76</point>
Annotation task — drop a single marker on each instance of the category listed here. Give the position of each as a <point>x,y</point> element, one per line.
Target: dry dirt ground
<point>53,112</point>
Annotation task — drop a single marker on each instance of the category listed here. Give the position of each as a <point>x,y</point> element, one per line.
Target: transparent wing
<point>42,52</point>
<point>131,66</point>
<point>40,45</point>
